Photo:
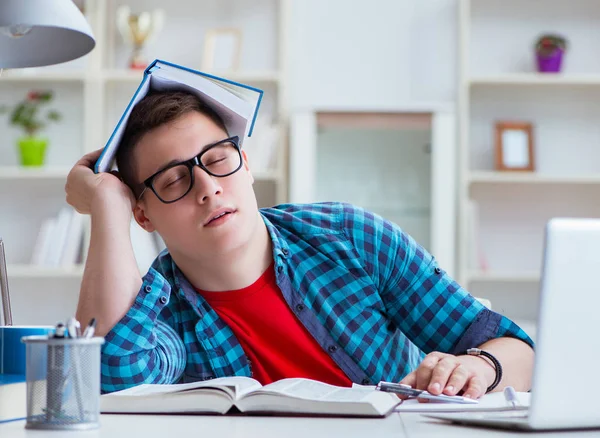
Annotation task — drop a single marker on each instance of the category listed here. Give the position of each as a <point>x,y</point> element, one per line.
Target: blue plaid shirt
<point>374,299</point>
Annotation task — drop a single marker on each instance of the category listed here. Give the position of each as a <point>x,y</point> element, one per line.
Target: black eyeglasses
<point>172,183</point>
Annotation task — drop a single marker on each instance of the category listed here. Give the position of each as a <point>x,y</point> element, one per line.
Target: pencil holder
<point>63,382</point>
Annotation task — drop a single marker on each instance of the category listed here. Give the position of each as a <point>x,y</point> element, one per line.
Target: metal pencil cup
<point>63,382</point>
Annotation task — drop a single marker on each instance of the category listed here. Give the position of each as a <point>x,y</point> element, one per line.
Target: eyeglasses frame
<point>196,160</point>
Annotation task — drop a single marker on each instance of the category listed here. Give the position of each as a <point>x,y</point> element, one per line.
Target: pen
<point>90,329</point>
<point>511,397</point>
<point>399,388</point>
<point>55,377</point>
<point>74,328</point>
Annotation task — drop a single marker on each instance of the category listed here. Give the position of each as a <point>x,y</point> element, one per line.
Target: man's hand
<point>84,187</point>
<point>448,374</point>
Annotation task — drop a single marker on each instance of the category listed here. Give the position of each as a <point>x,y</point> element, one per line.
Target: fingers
<point>441,374</point>
<point>425,370</point>
<point>457,381</point>
<point>88,160</point>
<point>475,388</point>
<point>410,379</point>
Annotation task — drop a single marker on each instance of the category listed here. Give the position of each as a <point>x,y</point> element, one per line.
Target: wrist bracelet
<point>495,362</point>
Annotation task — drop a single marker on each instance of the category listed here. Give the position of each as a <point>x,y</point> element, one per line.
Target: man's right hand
<point>84,187</point>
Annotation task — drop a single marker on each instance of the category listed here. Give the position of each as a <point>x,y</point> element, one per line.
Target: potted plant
<point>549,49</point>
<point>27,116</point>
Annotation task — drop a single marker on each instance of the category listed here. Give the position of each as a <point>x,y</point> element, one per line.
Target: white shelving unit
<point>498,82</point>
<point>91,93</point>
<point>398,163</point>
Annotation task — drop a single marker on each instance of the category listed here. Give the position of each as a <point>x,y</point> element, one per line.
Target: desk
<point>164,426</point>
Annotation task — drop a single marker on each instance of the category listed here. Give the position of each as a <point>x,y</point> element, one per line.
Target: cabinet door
<point>398,165</point>
<point>384,169</point>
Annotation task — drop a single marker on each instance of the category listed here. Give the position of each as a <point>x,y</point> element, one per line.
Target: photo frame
<point>514,146</point>
<point>222,50</point>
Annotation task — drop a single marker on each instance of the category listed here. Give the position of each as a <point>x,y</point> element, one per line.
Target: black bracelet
<point>497,366</point>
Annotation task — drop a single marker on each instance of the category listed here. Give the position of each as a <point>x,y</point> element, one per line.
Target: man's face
<point>188,226</point>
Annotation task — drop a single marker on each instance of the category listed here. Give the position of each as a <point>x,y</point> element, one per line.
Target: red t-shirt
<point>275,341</point>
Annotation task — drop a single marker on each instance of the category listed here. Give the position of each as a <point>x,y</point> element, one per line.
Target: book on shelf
<point>12,397</point>
<point>296,396</point>
<point>237,104</point>
<point>59,239</point>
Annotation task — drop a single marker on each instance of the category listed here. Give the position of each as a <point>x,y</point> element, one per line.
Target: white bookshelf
<point>92,92</point>
<point>25,271</point>
<point>497,81</point>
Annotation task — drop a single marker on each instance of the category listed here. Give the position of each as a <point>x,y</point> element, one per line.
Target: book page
<point>314,390</point>
<point>236,123</point>
<point>231,385</point>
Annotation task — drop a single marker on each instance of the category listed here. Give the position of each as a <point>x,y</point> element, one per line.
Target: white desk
<point>394,426</point>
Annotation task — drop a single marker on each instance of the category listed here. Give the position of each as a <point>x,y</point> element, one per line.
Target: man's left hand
<point>441,373</point>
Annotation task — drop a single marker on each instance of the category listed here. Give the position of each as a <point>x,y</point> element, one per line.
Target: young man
<point>324,291</point>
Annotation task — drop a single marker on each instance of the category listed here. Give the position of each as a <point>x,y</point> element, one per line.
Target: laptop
<point>565,390</point>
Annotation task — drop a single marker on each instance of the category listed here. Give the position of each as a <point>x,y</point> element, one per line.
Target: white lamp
<point>42,32</point>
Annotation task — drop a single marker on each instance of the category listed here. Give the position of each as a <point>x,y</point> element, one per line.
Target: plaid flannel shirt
<point>374,299</point>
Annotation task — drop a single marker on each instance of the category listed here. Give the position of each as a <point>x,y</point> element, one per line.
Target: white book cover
<point>43,242</point>
<point>70,254</point>
<point>59,237</point>
<point>237,104</point>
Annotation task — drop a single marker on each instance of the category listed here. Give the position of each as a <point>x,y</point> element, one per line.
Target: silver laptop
<point>566,386</point>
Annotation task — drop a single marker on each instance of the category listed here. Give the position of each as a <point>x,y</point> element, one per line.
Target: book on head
<point>237,104</point>
<point>295,396</point>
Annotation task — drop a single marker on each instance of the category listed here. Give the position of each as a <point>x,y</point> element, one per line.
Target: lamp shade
<point>35,33</point>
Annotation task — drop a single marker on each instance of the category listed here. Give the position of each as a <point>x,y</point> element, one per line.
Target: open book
<point>219,396</point>
<point>237,104</point>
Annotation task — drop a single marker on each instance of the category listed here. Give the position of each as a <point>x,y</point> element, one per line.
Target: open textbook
<point>225,394</point>
<point>237,104</point>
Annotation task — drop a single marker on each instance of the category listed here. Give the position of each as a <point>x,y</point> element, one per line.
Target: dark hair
<point>152,111</point>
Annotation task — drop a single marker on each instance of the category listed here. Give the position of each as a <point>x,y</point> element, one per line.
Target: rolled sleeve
<point>143,347</point>
<point>426,304</point>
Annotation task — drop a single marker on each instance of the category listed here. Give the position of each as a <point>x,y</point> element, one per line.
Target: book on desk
<point>246,395</point>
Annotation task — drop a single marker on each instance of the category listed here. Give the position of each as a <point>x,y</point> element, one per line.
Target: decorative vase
<point>550,63</point>
<point>32,150</point>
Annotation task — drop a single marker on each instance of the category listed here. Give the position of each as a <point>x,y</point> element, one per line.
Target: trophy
<point>137,30</point>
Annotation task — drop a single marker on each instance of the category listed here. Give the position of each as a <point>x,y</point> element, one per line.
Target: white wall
<point>372,54</point>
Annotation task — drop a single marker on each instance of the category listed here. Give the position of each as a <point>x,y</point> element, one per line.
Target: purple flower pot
<point>551,63</point>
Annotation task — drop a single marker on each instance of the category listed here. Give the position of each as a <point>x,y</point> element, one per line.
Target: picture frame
<point>514,146</point>
<point>222,47</point>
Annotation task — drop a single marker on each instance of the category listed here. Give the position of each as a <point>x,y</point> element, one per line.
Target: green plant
<point>26,114</point>
<point>547,44</point>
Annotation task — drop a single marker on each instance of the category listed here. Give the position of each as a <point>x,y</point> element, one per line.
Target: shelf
<point>491,177</point>
<point>133,76</point>
<point>41,76</point>
<point>17,172</point>
<point>31,271</point>
<point>536,79</point>
<point>503,277</point>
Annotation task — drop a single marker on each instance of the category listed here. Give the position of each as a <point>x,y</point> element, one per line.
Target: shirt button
<point>163,299</point>
<point>365,381</point>
<point>437,270</point>
<point>279,269</point>
<point>148,289</point>
<point>285,251</point>
<point>332,348</point>
<point>299,307</point>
